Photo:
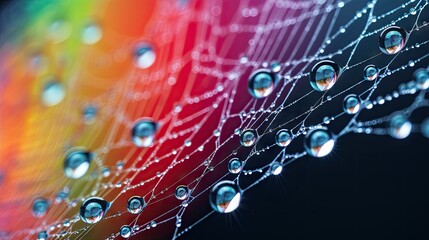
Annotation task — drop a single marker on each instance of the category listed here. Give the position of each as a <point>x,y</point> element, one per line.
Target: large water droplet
<point>319,142</point>
<point>370,72</point>
<point>283,137</point>
<point>398,126</point>
<point>235,166</point>
<point>225,196</point>
<point>262,83</point>
<point>93,209</point>
<point>392,40</point>
<point>351,104</point>
<point>144,56</point>
<point>53,93</point>
<point>77,162</point>
<point>43,235</point>
<point>182,192</point>
<point>276,168</point>
<point>324,75</point>
<point>125,231</point>
<point>40,207</point>
<point>143,132</point>
<point>91,34</point>
<point>136,204</point>
<point>422,78</point>
<point>248,137</point>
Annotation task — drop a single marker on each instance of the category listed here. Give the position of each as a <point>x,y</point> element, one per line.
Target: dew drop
<point>144,56</point>
<point>153,224</point>
<point>182,192</point>
<point>89,114</point>
<point>136,204</point>
<point>125,231</point>
<point>319,142</point>
<point>283,137</point>
<point>398,126</point>
<point>421,76</point>
<point>53,93</point>
<point>392,40</point>
<point>43,235</point>
<point>248,137</point>
<point>235,166</point>
<point>276,168</point>
<point>143,132</point>
<point>92,34</point>
<point>370,72</point>
<point>40,207</point>
<point>59,31</point>
<point>262,83</point>
<point>351,104</point>
<point>93,209</point>
<point>324,75</point>
<point>225,196</point>
<point>77,162</point>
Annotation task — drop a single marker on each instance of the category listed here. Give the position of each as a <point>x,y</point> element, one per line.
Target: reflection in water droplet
<point>324,75</point>
<point>392,40</point>
<point>53,93</point>
<point>319,142</point>
<point>40,207</point>
<point>143,132</point>
<point>77,162</point>
<point>225,196</point>
<point>93,209</point>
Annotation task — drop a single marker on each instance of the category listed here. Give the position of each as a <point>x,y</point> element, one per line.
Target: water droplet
<point>216,133</point>
<point>235,166</point>
<point>125,231</point>
<point>144,56</point>
<point>262,83</point>
<point>370,72</point>
<point>59,31</point>
<point>91,34</point>
<point>182,192</point>
<point>225,196</point>
<point>43,235</point>
<point>276,168</point>
<point>40,207</point>
<point>105,171</point>
<point>275,67</point>
<point>153,224</point>
<point>53,93</point>
<point>136,204</point>
<point>425,127</point>
<point>422,78</point>
<point>89,114</point>
<point>319,142</point>
<point>248,137</point>
<point>324,75</point>
<point>283,137</point>
<point>77,162</point>
<point>178,222</point>
<point>93,209</point>
<point>62,195</point>
<point>398,126</point>
<point>143,132</point>
<point>351,104</point>
<point>392,40</point>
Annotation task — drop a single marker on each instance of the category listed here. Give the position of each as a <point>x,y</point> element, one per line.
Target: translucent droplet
<point>392,40</point>
<point>53,93</point>
<point>319,142</point>
<point>421,76</point>
<point>248,137</point>
<point>105,171</point>
<point>351,104</point>
<point>59,31</point>
<point>275,67</point>
<point>370,72</point>
<point>77,162</point>
<point>40,207</point>
<point>62,195</point>
<point>89,114</point>
<point>425,127</point>
<point>144,56</point>
<point>125,231</point>
<point>276,168</point>
<point>324,75</point>
<point>136,204</point>
<point>91,34</point>
<point>153,224</point>
<point>235,166</point>
<point>143,132</point>
<point>225,196</point>
<point>262,83</point>
<point>178,222</point>
<point>93,209</point>
<point>283,137</point>
<point>182,192</point>
<point>43,235</point>
<point>398,126</point>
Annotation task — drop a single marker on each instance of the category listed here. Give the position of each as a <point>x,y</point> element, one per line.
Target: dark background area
<point>370,187</point>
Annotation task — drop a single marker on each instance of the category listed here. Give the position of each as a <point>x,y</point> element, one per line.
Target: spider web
<point>197,92</point>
